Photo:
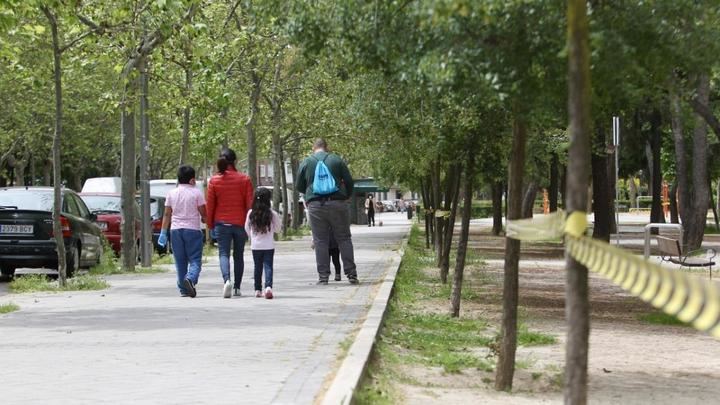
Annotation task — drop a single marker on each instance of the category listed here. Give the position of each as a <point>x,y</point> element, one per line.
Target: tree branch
<point>152,41</point>
<point>706,113</point>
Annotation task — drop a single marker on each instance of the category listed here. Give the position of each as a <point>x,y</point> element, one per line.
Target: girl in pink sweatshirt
<point>261,224</point>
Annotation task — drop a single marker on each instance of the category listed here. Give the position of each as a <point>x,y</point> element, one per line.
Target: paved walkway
<point>140,343</point>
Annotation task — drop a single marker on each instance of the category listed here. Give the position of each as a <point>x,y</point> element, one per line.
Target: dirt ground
<point>630,361</point>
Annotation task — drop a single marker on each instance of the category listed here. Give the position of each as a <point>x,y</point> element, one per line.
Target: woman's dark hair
<point>261,215</point>
<point>222,165</point>
<point>185,174</point>
<point>229,155</point>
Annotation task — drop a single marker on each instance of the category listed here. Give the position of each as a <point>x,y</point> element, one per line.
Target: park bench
<point>671,251</point>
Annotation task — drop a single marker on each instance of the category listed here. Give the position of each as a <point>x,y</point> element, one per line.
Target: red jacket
<point>229,198</point>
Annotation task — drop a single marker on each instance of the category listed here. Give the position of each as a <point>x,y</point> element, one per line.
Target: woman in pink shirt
<point>186,206</point>
<point>261,224</point>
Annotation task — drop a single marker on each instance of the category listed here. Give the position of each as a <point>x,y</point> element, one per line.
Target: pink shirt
<point>262,241</point>
<point>185,201</point>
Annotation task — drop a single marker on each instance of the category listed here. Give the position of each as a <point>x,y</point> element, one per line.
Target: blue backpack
<point>324,182</point>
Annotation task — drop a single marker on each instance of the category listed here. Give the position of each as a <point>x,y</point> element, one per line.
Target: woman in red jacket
<point>229,198</point>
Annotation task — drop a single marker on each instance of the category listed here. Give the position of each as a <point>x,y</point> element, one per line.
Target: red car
<point>107,207</point>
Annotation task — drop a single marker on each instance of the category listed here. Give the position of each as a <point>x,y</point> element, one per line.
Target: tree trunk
<point>508,344</point>
<point>712,206</point>
<point>612,191</point>
<point>674,218</point>
<point>695,229</point>
<point>554,182</point>
<point>563,185</point>
<point>250,127</point>
<point>497,193</point>
<point>283,187</point>
<point>47,172</point>
<point>601,186</point>
<point>127,224</point>
<point>57,139</point>
<point>295,194</point>
<point>146,245</point>
<point>528,202</point>
<point>656,211</point>
<point>185,147</point>
<point>435,182</point>
<point>275,104</point>
<point>682,174</point>
<point>425,189</point>
<point>577,304</point>
<point>452,197</point>
<point>456,294</point>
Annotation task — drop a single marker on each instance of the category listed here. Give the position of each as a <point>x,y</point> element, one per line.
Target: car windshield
<point>102,203</point>
<point>27,199</point>
<point>161,189</point>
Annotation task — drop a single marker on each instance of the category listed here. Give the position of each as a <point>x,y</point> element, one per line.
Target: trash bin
<point>409,212</point>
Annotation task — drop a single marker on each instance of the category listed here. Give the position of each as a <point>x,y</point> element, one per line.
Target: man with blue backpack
<point>328,184</point>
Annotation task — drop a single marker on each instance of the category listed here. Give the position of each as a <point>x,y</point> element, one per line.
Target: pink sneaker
<point>258,294</point>
<point>268,293</point>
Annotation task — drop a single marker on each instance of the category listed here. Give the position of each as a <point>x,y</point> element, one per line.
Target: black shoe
<point>353,280</point>
<point>337,277</point>
<point>322,282</point>
<point>190,288</point>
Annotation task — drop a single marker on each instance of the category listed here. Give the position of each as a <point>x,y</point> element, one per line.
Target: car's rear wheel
<point>72,260</point>
<point>7,271</point>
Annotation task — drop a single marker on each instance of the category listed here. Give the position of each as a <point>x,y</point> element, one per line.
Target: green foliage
<point>41,283</point>
<point>9,307</point>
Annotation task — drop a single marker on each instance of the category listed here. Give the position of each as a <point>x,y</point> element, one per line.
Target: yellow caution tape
<point>576,224</point>
<point>544,227</point>
<point>685,296</point>
<point>442,214</point>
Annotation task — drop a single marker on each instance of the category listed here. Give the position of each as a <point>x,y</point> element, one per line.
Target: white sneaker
<point>268,293</point>
<point>227,289</point>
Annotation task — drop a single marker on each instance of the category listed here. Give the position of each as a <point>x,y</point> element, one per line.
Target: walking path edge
<point>354,365</point>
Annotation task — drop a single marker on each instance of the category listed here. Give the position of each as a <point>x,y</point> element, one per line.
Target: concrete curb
<point>353,367</point>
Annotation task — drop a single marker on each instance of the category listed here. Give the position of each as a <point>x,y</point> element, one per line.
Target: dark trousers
<point>331,216</point>
<point>231,236</point>
<point>335,256</point>
<point>371,217</point>
<point>263,261</point>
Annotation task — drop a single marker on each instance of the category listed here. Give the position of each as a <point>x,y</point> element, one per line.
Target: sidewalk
<point>140,343</point>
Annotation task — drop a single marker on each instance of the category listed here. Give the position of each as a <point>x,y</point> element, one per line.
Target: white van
<point>112,185</point>
<point>160,187</point>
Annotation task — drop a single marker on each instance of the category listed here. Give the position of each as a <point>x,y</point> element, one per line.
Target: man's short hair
<point>185,174</point>
<point>320,144</point>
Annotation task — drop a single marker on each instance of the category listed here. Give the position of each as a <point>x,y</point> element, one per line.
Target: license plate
<point>16,229</point>
<point>102,226</point>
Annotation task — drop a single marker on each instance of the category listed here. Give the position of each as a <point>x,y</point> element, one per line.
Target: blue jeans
<point>187,247</point>
<point>226,235</point>
<point>263,260</point>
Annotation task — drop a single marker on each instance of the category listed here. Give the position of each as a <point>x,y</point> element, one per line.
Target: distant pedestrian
<point>327,185</point>
<point>261,224</point>
<point>370,209</point>
<point>184,212</point>
<point>230,196</point>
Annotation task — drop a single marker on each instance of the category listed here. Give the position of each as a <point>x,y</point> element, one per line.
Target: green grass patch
<point>292,234</point>
<point>9,307</point>
<point>165,259</point>
<point>37,283</point>
<point>532,338</point>
<point>661,318</point>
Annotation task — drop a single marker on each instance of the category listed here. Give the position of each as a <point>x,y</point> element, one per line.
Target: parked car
<point>102,185</point>
<point>157,209</point>
<point>107,208</point>
<point>26,234</point>
<point>160,187</point>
